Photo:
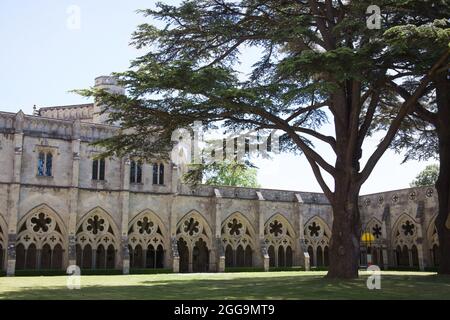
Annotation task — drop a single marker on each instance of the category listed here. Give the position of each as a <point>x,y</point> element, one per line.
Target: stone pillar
<point>73,212</point>
<point>125,210</point>
<point>176,257</point>
<point>14,194</point>
<point>264,253</point>
<point>307,262</point>
<point>218,231</point>
<point>173,236</point>
<point>384,252</point>
<point>301,235</point>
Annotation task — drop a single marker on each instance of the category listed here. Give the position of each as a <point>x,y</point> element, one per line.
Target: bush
<point>150,271</point>
<point>258,269</point>
<point>89,272</point>
<point>287,269</point>
<point>244,269</point>
<point>34,273</point>
<point>403,268</point>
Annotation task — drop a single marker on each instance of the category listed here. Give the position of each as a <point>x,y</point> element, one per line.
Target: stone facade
<point>54,214</point>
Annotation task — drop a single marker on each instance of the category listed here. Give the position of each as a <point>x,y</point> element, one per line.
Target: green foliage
<point>150,271</point>
<point>427,177</point>
<point>227,173</point>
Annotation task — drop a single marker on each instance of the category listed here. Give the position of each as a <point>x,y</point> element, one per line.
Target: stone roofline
<point>75,129</point>
<point>72,106</point>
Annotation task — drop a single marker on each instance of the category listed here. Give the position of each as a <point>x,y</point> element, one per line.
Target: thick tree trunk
<point>344,246</point>
<point>443,182</point>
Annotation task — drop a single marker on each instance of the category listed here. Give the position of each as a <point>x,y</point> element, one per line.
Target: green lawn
<point>257,285</point>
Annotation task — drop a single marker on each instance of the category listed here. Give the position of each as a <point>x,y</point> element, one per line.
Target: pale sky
<point>45,53</point>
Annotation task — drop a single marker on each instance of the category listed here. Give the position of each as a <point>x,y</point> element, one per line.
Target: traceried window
<point>98,169</point>
<point>158,173</point>
<point>45,164</point>
<point>136,172</point>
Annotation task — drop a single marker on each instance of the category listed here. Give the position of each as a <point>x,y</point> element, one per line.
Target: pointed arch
<point>317,234</point>
<point>433,242</point>
<point>278,236</point>
<point>194,240</point>
<point>40,240</point>
<point>405,231</point>
<point>192,226</point>
<point>432,235</point>
<point>95,227</point>
<point>238,240</point>
<point>375,227</point>
<point>97,239</point>
<point>146,240</point>
<point>237,230</point>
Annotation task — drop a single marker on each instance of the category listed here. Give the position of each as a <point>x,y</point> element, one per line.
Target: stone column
<point>301,235</point>
<point>218,231</point>
<point>125,210</point>
<point>73,205</point>
<point>173,236</point>
<point>264,253</point>
<point>384,252</point>
<point>14,194</point>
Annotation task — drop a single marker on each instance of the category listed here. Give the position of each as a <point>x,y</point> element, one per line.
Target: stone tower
<point>108,83</point>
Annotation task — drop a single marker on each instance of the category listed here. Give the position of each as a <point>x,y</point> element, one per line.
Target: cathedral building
<point>61,205</point>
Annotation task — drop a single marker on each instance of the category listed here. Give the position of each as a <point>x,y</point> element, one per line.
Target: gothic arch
<point>194,239</point>
<point>97,240</point>
<point>146,240</point>
<point>238,240</point>
<point>373,247</point>
<point>404,239</point>
<point>317,238</point>
<point>41,239</point>
<point>433,242</point>
<point>279,238</point>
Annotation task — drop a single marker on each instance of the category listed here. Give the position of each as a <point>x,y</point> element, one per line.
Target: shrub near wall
<point>150,271</point>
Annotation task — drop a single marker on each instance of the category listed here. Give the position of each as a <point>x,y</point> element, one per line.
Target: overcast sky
<point>45,53</point>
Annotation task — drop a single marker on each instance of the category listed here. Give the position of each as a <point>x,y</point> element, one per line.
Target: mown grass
<point>251,285</point>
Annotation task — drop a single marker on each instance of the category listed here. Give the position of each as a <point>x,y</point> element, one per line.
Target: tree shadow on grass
<point>271,288</point>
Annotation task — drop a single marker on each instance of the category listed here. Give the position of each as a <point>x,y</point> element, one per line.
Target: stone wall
<point>62,211</point>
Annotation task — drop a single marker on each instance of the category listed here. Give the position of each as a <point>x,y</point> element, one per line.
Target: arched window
<point>317,236</point>
<point>278,234</point>
<point>229,256</point>
<point>271,252</point>
<point>319,256</point>
<point>135,171</point>
<point>237,238</point>
<point>183,252</point>
<point>146,240</point>
<point>45,164</point>
<point>281,258</point>
<point>158,173</point>
<point>96,237</point>
<point>40,240</point>
<point>404,239</point>
<point>289,256</point>
<point>49,164</point>
<point>196,235</point>
<point>98,169</point>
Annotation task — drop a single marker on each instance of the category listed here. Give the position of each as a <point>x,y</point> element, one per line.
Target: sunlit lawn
<point>257,285</point>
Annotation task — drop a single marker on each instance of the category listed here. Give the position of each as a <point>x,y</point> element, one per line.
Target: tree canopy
<point>427,177</point>
<point>318,62</point>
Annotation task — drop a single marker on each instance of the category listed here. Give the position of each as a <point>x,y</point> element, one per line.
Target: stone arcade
<point>59,206</point>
